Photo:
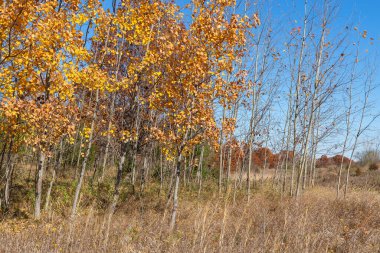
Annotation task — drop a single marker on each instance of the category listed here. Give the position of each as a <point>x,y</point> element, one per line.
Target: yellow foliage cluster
<point>37,125</point>
<point>57,56</point>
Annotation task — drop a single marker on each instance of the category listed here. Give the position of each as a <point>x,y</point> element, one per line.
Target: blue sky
<point>365,14</point>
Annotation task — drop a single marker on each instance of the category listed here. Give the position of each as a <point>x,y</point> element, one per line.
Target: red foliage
<point>237,153</point>
<point>261,157</point>
<point>336,160</point>
<point>324,161</point>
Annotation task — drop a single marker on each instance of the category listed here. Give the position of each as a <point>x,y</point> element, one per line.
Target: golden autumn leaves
<point>38,47</point>
<point>38,126</point>
<point>141,53</point>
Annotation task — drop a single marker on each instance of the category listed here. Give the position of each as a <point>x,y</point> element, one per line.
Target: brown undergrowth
<point>316,222</point>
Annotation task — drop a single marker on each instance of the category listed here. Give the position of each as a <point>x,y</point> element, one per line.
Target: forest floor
<point>269,222</point>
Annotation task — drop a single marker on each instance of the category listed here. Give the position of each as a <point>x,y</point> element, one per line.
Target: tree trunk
<point>143,173</point>
<point>199,172</point>
<point>116,194</point>
<point>39,177</point>
<point>7,172</point>
<point>229,156</point>
<point>348,126</point>
<point>85,160</point>
<point>221,165</point>
<point>8,181</point>
<point>252,122</point>
<point>57,165</point>
<point>3,154</point>
<point>118,177</point>
<point>161,172</point>
<point>249,170</point>
<point>108,137</point>
<point>297,102</point>
<point>175,195</point>
<point>48,194</point>
<point>184,172</point>
<point>79,155</point>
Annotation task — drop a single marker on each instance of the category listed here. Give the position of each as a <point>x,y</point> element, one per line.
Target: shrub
<point>358,171</point>
<point>373,166</point>
<point>369,156</point>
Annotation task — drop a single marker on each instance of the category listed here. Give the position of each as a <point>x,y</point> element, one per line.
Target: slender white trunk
<point>348,125</point>
<point>358,133</point>
<point>116,194</point>
<point>221,163</point>
<point>297,102</point>
<point>39,177</point>
<point>175,194</point>
<point>8,172</point>
<point>161,171</point>
<point>85,160</point>
<point>104,164</point>
<point>200,167</point>
<point>252,123</point>
<point>234,115</point>
<point>8,180</point>
<point>55,168</point>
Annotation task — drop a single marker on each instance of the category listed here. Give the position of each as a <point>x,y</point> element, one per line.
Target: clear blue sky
<point>366,15</point>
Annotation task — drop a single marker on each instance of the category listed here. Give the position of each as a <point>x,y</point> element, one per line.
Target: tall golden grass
<point>316,222</point>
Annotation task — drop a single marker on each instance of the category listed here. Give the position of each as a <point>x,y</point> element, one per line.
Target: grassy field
<point>269,222</point>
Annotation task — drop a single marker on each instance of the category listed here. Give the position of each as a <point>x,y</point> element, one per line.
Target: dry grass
<point>316,222</point>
